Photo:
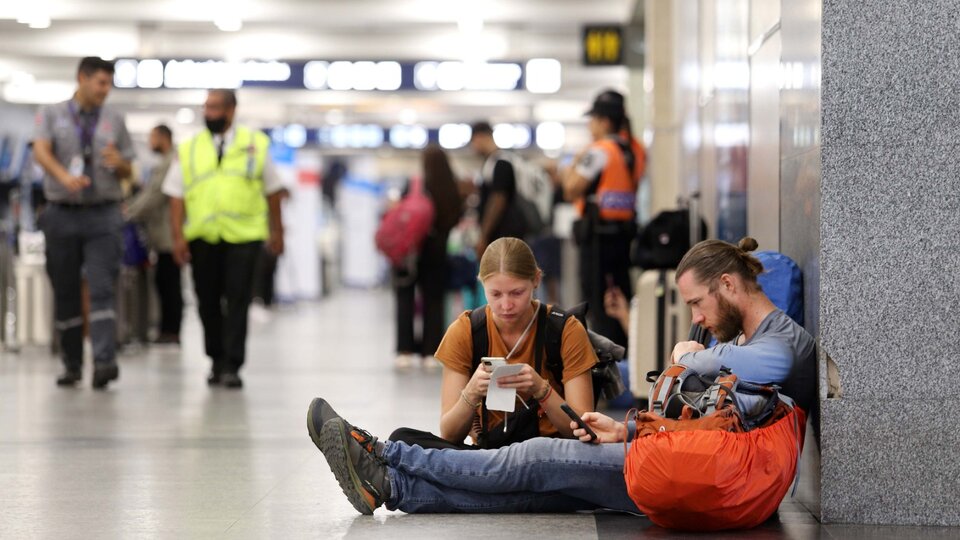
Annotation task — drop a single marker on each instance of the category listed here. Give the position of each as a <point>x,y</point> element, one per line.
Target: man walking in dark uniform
<point>85,150</point>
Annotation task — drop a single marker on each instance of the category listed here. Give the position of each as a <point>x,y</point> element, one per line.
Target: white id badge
<point>76,166</point>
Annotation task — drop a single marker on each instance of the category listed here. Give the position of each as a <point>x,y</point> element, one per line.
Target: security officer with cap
<point>224,203</point>
<point>85,150</point>
<point>603,181</point>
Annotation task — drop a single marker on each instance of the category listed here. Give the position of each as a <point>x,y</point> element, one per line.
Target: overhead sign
<point>338,75</point>
<point>603,45</point>
<point>154,73</point>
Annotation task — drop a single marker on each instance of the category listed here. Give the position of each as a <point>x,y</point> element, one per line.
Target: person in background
<point>603,181</point>
<point>151,208</point>
<point>547,248</point>
<point>264,286</point>
<point>227,188</point>
<point>617,307</point>
<point>85,150</point>
<point>430,272</point>
<point>497,190</point>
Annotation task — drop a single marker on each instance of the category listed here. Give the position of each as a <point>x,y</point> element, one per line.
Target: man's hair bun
<point>747,244</point>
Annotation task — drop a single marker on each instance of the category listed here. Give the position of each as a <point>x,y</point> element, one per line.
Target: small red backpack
<point>403,227</point>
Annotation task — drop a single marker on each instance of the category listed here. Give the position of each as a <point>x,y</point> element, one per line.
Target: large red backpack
<point>698,463</point>
<point>403,228</point>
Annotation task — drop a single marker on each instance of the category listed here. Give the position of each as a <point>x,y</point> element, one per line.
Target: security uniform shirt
<point>173,183</point>
<point>79,137</point>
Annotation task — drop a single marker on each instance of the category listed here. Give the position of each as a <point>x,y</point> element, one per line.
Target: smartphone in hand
<point>493,362</point>
<point>583,425</point>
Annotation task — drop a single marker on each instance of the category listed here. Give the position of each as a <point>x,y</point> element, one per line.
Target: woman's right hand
<point>476,389</point>
<point>607,429</point>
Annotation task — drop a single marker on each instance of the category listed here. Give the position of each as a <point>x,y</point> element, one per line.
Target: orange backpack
<point>705,466</point>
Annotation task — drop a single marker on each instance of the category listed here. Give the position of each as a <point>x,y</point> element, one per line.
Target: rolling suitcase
<point>659,319</point>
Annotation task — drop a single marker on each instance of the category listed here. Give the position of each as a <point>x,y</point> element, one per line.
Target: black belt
<point>81,206</point>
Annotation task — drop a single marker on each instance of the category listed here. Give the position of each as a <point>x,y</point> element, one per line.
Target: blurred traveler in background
<point>429,274</point>
<point>85,150</point>
<point>151,208</point>
<point>547,247</point>
<point>497,190</point>
<point>603,181</point>
<point>617,307</point>
<point>264,284</point>
<point>224,203</point>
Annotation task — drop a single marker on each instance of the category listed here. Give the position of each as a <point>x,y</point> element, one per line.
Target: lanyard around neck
<point>86,127</point>
<point>525,332</point>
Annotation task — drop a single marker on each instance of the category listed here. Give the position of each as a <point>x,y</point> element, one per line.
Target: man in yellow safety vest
<point>224,204</point>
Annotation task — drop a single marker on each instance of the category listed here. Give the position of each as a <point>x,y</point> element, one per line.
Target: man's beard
<point>729,320</point>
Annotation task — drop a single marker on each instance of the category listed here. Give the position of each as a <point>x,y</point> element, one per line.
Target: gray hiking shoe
<point>361,473</point>
<point>318,414</point>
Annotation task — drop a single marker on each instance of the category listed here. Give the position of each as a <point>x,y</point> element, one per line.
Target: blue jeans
<point>538,475</point>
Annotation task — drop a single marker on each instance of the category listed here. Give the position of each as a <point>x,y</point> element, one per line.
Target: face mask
<point>216,125</point>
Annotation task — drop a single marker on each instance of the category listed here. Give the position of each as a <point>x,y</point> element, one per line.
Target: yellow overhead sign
<point>602,45</point>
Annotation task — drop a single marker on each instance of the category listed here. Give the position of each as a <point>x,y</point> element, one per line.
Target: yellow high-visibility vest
<point>225,201</point>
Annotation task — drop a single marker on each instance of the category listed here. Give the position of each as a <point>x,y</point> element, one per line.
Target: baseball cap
<point>609,104</point>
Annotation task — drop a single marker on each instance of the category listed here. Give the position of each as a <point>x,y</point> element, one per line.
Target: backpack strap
<point>478,333</point>
<point>668,384</point>
<point>723,389</point>
<point>481,346</point>
<point>556,321</point>
<point>539,342</point>
<point>773,395</point>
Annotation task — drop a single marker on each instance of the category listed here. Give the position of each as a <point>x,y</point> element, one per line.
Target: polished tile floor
<point>160,455</point>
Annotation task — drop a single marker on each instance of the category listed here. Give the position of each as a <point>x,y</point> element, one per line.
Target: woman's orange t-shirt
<point>456,353</point>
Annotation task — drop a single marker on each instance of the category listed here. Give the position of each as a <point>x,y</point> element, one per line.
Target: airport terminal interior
<point>746,120</point>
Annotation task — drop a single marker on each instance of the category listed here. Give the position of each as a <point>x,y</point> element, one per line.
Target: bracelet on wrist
<point>546,394</point>
<point>463,396</point>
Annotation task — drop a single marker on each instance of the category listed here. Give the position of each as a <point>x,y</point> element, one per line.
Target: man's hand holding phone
<point>606,429</point>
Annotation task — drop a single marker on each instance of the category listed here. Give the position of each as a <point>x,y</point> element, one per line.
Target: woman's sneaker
<point>352,455</point>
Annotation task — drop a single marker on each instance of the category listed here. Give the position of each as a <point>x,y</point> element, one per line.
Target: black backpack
<point>550,323</point>
<point>664,241</point>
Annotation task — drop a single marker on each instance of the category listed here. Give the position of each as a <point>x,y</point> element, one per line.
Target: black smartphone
<point>573,416</point>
